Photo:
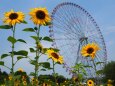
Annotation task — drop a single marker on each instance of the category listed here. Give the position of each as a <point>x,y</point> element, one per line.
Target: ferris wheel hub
<point>83,38</point>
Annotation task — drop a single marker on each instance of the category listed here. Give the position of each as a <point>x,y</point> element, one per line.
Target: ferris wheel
<point>73,27</point>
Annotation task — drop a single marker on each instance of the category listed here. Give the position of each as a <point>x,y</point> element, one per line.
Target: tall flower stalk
<point>37,52</point>
<point>12,18</point>
<point>13,46</point>
<point>56,59</point>
<point>40,17</point>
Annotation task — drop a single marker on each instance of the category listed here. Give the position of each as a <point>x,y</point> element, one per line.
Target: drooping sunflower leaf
<point>4,55</point>
<point>46,38</point>
<point>34,37</point>
<point>33,62</point>
<point>20,57</point>
<point>32,50</point>
<point>25,22</point>
<point>99,72</point>
<point>32,74</point>
<point>99,63</point>
<point>2,63</point>
<point>43,69</point>
<point>21,40</point>
<point>55,49</point>
<point>11,39</point>
<point>48,23</point>
<point>45,64</point>
<point>21,52</point>
<point>35,28</point>
<point>87,66</point>
<point>29,30</point>
<point>5,27</point>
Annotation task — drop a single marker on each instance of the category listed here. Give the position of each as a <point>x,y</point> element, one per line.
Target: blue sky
<point>101,10</point>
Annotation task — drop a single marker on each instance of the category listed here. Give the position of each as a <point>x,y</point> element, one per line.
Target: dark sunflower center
<point>90,50</point>
<point>40,14</point>
<point>13,16</point>
<point>90,83</point>
<point>55,55</point>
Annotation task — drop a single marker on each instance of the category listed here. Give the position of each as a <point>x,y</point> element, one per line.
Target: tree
<point>109,72</point>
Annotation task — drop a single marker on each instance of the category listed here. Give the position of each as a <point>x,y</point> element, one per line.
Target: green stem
<point>37,53</point>
<point>12,54</point>
<point>95,71</point>
<point>54,74</point>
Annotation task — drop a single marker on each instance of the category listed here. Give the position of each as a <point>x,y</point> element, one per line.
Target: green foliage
<point>34,37</point>
<point>2,63</point>
<point>47,39</point>
<point>99,72</point>
<point>33,62</point>
<point>11,39</point>
<point>21,40</point>
<point>48,23</point>
<point>32,74</point>
<point>3,77</point>
<point>109,71</point>
<point>24,22</point>
<point>32,50</point>
<point>20,57</point>
<point>45,65</point>
<point>4,55</point>
<point>99,63</point>
<point>5,27</point>
<point>28,30</point>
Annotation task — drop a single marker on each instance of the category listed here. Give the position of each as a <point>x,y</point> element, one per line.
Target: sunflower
<point>45,84</point>
<point>40,16</point>
<point>24,83</point>
<point>55,56</point>
<point>10,77</point>
<point>90,50</point>
<point>90,83</point>
<point>20,70</point>
<point>12,17</point>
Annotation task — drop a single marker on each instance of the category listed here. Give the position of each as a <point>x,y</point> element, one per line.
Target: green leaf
<point>4,55</point>
<point>20,57</point>
<point>55,49</point>
<point>48,23</point>
<point>35,28</point>
<point>2,63</point>
<point>47,39</point>
<point>5,27</point>
<point>34,37</point>
<point>32,74</point>
<point>11,39</point>
<point>29,30</point>
<point>87,66</point>
<point>45,64</point>
<point>24,22</point>
<point>32,50</point>
<point>33,62</point>
<point>21,40</point>
<point>21,52</point>
<point>43,69</point>
<point>99,63</point>
<point>99,72</point>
